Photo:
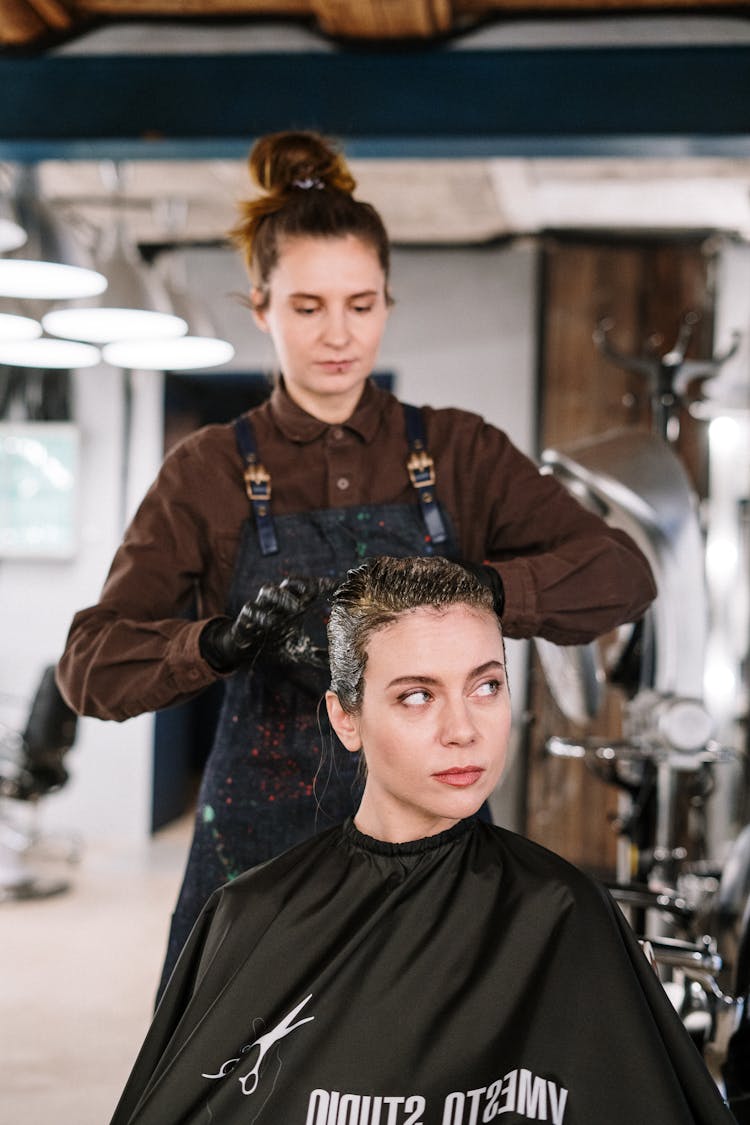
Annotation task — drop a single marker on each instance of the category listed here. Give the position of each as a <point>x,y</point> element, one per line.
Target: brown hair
<point>306,190</point>
<point>375,595</point>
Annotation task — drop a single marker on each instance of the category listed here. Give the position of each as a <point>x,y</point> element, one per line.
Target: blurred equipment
<point>31,766</point>
<point>663,761</point>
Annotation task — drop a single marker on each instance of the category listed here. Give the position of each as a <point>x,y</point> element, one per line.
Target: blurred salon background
<point>567,189</point>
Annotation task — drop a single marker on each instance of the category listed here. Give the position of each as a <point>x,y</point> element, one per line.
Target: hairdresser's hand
<point>271,624</point>
<point>490,578</point>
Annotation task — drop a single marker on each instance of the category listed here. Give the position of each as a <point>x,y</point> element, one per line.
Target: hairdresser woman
<point>329,471</point>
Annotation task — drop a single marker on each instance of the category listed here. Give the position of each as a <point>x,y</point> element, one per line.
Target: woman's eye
<point>363,308</point>
<point>416,698</point>
<point>305,310</point>
<point>490,687</point>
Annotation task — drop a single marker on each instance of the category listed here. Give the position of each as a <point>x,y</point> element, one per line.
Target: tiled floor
<point>79,972</point>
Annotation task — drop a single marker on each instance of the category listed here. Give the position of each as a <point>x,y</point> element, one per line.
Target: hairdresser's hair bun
<point>281,162</point>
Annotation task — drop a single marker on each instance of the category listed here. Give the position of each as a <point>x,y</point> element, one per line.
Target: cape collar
<point>409,847</point>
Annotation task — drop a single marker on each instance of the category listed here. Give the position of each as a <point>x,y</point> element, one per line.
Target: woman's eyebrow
<point>413,680</point>
<point>488,665</point>
<point>350,296</point>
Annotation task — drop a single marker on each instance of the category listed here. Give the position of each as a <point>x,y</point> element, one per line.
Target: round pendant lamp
<point>135,307</point>
<point>187,353</point>
<point>16,327</point>
<point>45,354</point>
<point>54,266</point>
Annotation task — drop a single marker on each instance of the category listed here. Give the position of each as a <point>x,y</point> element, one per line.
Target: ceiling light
<point>184,354</point>
<point>103,325</point>
<point>54,266</point>
<point>14,327</point>
<point>48,281</point>
<point>47,354</point>
<point>136,306</point>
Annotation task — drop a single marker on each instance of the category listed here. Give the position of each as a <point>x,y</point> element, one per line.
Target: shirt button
<point>337,433</point>
<point>342,483</point>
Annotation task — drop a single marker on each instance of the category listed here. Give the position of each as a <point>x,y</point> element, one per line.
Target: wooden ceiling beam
<point>384,19</point>
<point>34,23</point>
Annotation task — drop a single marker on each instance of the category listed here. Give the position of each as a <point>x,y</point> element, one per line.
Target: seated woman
<point>415,965</point>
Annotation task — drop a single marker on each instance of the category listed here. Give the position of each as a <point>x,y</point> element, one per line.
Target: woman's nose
<point>337,328</point>
<point>458,727</point>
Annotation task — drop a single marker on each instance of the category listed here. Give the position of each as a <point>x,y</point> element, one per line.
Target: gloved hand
<point>271,624</point>
<point>490,578</point>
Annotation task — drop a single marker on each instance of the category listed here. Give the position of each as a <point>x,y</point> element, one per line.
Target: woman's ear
<point>258,302</point>
<point>345,725</point>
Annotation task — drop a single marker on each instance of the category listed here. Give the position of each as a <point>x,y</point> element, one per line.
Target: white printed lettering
<point>333,1108</point>
<point>393,1106</point>
<point>558,1097</point>
<point>349,1110</point>
<point>474,1096</point>
<point>317,1108</point>
<point>510,1081</point>
<point>453,1110</point>
<point>415,1105</point>
<point>493,1093</point>
<point>532,1096</point>
<point>364,1116</point>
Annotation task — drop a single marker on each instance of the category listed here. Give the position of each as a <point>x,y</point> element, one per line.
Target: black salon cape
<point>465,978</point>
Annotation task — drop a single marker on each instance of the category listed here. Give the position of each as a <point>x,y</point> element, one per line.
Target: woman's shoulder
<point>535,863</point>
<point>452,426</point>
<point>213,446</point>
<point>206,441</point>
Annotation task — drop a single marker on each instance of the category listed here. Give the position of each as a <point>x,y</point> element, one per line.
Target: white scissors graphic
<point>264,1043</point>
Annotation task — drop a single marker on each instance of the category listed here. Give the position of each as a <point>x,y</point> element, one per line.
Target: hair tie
<point>307,183</point>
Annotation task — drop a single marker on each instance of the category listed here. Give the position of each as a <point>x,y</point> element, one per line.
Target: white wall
<point>110,790</point>
<point>462,333</point>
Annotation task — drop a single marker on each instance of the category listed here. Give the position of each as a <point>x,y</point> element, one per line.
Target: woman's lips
<point>460,776</point>
<point>336,366</point>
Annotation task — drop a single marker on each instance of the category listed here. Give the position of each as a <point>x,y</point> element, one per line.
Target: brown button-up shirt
<point>567,575</point>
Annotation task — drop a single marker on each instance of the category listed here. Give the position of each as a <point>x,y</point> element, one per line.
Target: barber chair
<point>31,767</point>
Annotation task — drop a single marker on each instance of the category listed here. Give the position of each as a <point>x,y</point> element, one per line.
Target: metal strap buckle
<point>257,482</point>
<point>421,469</point>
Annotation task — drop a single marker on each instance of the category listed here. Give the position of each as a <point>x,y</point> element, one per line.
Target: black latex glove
<point>490,578</point>
<point>271,625</point>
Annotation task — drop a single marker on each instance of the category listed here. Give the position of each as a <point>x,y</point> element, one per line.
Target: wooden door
<point>645,287</point>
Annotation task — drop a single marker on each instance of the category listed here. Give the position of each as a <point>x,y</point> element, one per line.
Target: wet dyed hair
<point>306,191</point>
<point>378,593</point>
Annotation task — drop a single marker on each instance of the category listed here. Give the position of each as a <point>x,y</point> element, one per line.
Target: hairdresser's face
<point>434,722</point>
<point>325,314</point>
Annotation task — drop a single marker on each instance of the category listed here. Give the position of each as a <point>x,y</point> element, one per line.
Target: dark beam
<point>475,102</point>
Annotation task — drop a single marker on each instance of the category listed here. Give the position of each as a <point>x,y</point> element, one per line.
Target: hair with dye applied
<point>375,595</point>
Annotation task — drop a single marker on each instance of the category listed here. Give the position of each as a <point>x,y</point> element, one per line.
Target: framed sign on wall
<point>38,485</point>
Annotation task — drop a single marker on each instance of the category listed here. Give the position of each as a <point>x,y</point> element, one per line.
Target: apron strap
<point>421,470</point>
<point>257,485</point>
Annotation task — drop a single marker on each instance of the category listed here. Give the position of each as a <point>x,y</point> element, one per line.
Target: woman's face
<point>434,722</point>
<point>325,313</point>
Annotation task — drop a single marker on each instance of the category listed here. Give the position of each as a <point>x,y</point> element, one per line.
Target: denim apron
<point>276,773</point>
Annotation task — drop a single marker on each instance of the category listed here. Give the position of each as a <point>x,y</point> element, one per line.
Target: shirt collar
<point>297,425</point>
